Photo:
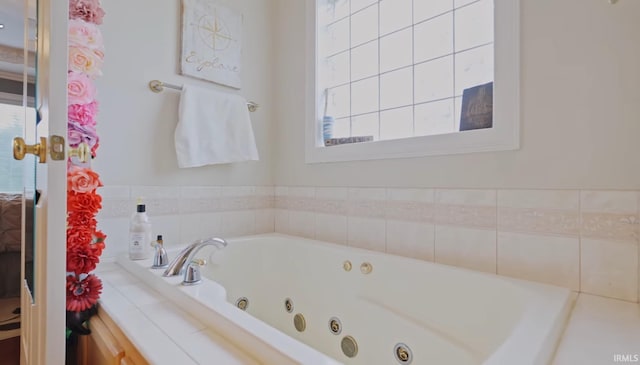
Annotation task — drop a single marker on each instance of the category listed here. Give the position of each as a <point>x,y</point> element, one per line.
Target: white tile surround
<point>159,329</point>
<point>584,240</point>
<point>184,214</point>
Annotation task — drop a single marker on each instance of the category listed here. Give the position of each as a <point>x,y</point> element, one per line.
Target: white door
<point>43,300</point>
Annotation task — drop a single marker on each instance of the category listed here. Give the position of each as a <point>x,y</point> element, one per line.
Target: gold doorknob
<point>21,149</point>
<point>82,152</point>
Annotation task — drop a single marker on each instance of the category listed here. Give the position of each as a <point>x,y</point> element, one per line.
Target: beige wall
<point>136,126</point>
<point>580,124</point>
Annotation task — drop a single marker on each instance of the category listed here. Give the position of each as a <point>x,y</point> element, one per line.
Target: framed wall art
<point>211,42</point>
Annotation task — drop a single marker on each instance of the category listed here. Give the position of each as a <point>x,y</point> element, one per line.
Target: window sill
<point>483,140</point>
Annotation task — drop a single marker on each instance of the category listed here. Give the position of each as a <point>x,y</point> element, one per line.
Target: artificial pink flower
<point>98,242</point>
<point>80,88</point>
<point>94,149</point>
<point>80,235</point>
<point>83,34</point>
<point>85,60</point>
<point>85,243</point>
<point>80,219</point>
<point>82,259</point>
<point>80,180</point>
<point>83,114</point>
<point>86,202</point>
<point>78,133</point>
<point>87,10</point>
<point>82,294</point>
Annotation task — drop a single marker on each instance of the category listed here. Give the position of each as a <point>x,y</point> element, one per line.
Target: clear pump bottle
<point>140,234</point>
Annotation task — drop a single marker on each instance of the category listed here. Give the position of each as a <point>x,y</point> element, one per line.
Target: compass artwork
<point>211,42</point>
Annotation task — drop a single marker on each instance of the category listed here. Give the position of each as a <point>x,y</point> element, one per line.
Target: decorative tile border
<point>262,202</point>
<point>115,208</point>
<point>544,221</point>
<point>610,226</point>
<point>331,206</point>
<point>235,203</point>
<point>540,221</point>
<point>212,200</point>
<point>303,204</point>
<point>466,216</point>
<point>195,205</point>
<point>399,210</point>
<point>162,206</point>
<point>549,221</point>
<point>281,202</point>
<point>410,211</point>
<point>366,208</point>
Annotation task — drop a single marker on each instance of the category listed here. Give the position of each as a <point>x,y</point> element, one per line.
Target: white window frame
<point>504,135</point>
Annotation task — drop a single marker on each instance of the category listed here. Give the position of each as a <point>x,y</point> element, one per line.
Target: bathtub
<point>313,302</point>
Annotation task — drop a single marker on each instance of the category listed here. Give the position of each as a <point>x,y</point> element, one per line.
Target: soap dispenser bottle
<point>140,234</point>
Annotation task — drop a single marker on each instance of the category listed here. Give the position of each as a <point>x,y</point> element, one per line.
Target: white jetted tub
<point>384,310</point>
<point>433,314</point>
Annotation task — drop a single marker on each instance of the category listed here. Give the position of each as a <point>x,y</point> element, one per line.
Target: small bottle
<point>140,234</point>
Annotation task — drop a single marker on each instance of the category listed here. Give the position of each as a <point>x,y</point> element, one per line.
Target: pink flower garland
<point>87,10</point>
<point>85,242</point>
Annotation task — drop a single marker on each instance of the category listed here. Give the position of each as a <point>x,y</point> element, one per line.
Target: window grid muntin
<point>403,67</point>
<point>455,97</point>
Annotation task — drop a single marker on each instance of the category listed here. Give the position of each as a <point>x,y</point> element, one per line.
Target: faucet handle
<point>192,274</point>
<point>160,258</point>
<point>199,262</point>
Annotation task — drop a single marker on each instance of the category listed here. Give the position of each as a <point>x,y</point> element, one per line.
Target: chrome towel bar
<point>158,86</point>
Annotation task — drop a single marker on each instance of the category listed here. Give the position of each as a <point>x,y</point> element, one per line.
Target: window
<point>12,124</point>
<point>398,73</point>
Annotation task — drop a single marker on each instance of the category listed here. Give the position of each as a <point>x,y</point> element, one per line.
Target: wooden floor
<point>10,350</point>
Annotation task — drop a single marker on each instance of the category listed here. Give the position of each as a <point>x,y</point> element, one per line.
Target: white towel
<point>213,128</point>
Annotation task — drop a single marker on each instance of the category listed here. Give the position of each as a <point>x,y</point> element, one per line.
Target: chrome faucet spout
<point>180,263</point>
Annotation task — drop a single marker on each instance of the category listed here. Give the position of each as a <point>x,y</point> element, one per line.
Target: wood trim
<point>127,361</point>
<point>25,315</point>
<point>130,351</point>
<point>109,351</point>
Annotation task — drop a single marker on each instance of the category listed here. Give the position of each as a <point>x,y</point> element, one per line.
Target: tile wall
<point>184,214</point>
<point>583,240</point>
